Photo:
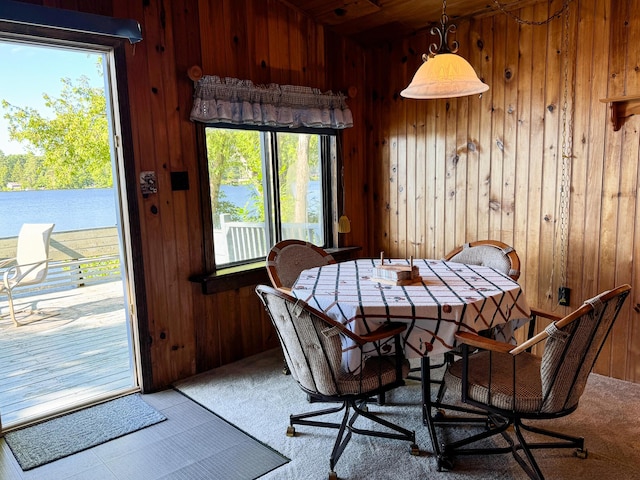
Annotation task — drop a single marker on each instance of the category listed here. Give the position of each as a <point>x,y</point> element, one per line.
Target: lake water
<point>91,208</point>
<point>68,209</point>
<point>75,209</point>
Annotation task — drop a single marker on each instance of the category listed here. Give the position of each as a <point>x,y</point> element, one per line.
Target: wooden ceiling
<point>373,21</point>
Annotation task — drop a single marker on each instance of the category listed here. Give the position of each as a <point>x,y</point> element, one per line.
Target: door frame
<point>125,167</point>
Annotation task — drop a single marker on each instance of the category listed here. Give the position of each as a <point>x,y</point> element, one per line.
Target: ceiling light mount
<point>443,73</point>
<point>442,31</point>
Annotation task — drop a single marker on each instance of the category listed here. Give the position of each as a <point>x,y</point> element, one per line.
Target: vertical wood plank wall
<point>268,42</point>
<point>420,176</point>
<point>452,171</point>
<point>261,40</point>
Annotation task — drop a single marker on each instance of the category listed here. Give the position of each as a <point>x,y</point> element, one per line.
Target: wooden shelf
<point>621,108</point>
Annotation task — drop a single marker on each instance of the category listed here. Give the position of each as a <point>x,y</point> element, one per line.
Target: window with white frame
<point>267,185</point>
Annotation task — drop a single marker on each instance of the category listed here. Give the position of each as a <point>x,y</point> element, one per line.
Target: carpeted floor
<point>254,395</point>
<point>63,436</point>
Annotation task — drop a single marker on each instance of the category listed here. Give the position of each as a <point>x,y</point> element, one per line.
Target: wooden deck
<point>74,351</point>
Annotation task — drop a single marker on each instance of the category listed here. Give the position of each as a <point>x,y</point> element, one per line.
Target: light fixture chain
<point>558,14</point>
<point>565,180</point>
<point>567,135</point>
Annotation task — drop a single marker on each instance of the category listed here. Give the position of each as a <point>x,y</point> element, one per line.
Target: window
<point>267,186</point>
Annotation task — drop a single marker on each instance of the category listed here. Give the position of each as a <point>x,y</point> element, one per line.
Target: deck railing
<point>77,258</point>
<point>91,256</point>
<point>238,241</point>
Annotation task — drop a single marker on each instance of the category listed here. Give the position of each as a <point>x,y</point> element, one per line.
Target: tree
<point>299,162</point>
<point>74,144</point>
<point>24,169</point>
<point>234,159</point>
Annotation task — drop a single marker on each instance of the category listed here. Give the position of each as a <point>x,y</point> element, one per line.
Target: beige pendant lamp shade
<point>444,74</point>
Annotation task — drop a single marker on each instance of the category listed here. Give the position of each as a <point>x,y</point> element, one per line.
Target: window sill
<point>232,278</point>
<point>252,274</point>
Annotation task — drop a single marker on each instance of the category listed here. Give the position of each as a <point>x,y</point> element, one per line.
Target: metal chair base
<point>493,424</point>
<point>500,426</point>
<point>353,408</point>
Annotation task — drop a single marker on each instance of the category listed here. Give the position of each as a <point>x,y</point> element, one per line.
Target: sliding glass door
<point>61,163</point>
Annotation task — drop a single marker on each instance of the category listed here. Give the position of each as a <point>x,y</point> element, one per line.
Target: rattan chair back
<point>490,253</point>
<point>290,257</point>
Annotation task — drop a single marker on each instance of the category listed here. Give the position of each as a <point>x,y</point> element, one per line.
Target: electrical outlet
<point>564,295</point>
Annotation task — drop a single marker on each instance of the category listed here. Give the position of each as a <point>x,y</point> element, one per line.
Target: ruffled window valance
<point>240,102</point>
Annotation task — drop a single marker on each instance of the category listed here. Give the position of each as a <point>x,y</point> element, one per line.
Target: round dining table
<point>444,298</point>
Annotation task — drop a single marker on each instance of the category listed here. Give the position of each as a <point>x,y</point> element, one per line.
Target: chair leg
<point>11,309</point>
<point>499,425</point>
<point>301,419</point>
<point>430,420</point>
<point>402,433</point>
<point>285,368</point>
<point>451,450</point>
<point>346,428</point>
<point>570,441</point>
<point>495,427</point>
<point>531,468</point>
<point>341,440</point>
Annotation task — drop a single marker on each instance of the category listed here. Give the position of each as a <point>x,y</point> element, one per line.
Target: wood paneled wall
<point>451,171</point>
<point>420,176</point>
<point>267,41</point>
<point>261,40</point>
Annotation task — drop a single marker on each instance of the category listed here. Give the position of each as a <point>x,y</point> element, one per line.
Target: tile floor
<point>188,445</point>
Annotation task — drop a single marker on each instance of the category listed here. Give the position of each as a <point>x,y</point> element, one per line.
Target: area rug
<point>255,396</point>
<point>45,442</point>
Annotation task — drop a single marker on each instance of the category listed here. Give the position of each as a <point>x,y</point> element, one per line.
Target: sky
<point>27,71</point>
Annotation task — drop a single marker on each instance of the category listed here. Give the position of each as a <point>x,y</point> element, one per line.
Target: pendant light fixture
<point>444,74</point>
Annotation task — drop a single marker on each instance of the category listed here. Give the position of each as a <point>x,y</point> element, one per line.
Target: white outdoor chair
<point>31,263</point>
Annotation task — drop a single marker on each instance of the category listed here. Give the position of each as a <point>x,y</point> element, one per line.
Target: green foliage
<point>234,159</point>
<point>70,150</point>
<point>25,169</point>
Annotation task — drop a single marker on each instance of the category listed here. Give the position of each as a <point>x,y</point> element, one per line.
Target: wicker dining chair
<point>494,254</point>
<point>507,385</point>
<point>490,253</point>
<point>288,258</point>
<point>312,344</point>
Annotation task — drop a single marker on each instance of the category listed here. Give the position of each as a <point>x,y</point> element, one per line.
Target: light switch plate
<point>148,183</point>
